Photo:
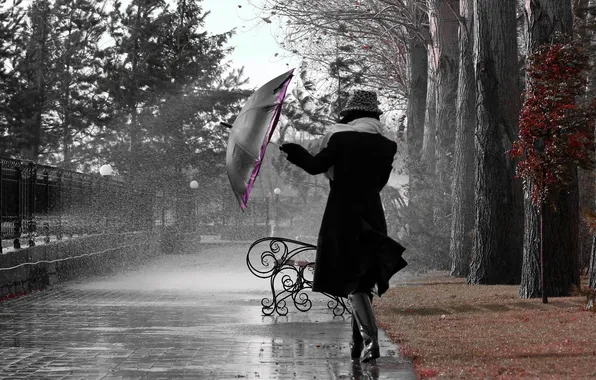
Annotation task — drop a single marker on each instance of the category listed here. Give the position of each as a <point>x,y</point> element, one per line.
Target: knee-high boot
<point>357,344</point>
<point>363,313</point>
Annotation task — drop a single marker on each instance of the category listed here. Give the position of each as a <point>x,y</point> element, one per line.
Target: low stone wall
<point>236,232</point>
<point>192,243</point>
<point>69,259</point>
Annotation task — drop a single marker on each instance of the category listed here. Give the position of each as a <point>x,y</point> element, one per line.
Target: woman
<point>355,257</point>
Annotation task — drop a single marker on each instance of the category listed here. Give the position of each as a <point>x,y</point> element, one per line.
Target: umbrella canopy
<point>250,134</point>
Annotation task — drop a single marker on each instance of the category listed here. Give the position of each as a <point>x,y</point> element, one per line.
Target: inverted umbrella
<point>250,134</point>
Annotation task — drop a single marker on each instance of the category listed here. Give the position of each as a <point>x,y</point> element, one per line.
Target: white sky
<point>254,44</point>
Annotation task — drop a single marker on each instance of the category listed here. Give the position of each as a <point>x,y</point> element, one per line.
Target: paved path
<point>180,317</point>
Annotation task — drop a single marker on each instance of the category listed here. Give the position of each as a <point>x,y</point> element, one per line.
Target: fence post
<point>17,223</point>
<point>59,186</point>
<point>31,209</point>
<point>71,191</point>
<point>106,197</point>
<point>99,205</point>
<point>90,222</point>
<point>163,212</point>
<point>46,223</point>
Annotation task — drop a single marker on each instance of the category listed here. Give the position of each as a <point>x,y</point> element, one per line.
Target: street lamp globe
<point>106,170</point>
<point>277,191</point>
<point>194,185</point>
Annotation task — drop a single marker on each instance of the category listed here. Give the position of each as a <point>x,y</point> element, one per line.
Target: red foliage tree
<point>556,128</point>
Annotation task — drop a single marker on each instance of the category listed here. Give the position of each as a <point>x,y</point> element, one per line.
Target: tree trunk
<point>430,118</point>
<point>560,242</point>
<point>424,202</point>
<point>546,17</point>
<point>445,37</point>
<point>66,104</point>
<point>530,277</point>
<point>462,222</point>
<point>592,269</point>
<point>590,92</point>
<point>586,182</point>
<point>582,27</point>
<point>591,45</point>
<point>41,21</point>
<point>132,104</point>
<point>496,256</point>
<point>418,63</point>
<point>418,83</point>
<point>561,225</point>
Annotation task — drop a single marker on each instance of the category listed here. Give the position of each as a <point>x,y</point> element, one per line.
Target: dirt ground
<point>452,330</point>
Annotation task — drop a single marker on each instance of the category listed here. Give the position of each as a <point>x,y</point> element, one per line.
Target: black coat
<point>353,245</point>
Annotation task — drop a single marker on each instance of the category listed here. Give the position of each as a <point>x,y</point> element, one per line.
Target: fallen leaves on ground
<point>459,331</point>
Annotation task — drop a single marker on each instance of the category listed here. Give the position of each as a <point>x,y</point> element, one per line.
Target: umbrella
<point>250,134</point>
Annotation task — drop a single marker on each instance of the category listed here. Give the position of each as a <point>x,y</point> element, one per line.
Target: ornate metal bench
<point>289,266</point>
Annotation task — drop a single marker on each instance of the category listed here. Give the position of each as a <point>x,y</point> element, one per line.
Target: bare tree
<point>445,34</point>
<point>584,12</point>
<point>439,126</point>
<point>405,58</point>
<point>590,92</point>
<point>584,28</point>
<point>430,118</point>
<point>417,84</point>
<point>462,222</point>
<point>496,256</point>
<point>417,93</point>
<point>374,33</point>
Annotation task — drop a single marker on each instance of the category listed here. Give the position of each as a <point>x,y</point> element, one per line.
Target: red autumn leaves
<point>556,127</point>
<point>12,296</point>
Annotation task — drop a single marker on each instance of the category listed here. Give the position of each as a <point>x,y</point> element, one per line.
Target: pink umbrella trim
<point>271,128</point>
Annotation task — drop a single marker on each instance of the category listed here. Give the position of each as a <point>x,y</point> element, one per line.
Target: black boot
<point>357,344</point>
<point>363,313</point>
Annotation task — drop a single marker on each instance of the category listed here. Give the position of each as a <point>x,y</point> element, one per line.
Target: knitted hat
<point>362,100</point>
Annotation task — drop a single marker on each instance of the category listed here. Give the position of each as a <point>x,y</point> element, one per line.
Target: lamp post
<point>106,171</point>
<point>276,191</point>
<point>267,212</point>
<point>194,185</point>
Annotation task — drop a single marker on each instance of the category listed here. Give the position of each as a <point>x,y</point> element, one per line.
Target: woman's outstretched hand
<point>290,148</point>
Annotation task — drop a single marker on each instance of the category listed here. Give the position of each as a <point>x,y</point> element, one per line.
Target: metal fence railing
<point>41,203</point>
<point>38,200</point>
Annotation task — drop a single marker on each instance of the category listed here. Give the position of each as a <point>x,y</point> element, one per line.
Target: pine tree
<point>27,103</point>
<point>164,76</point>
<point>11,32</point>
<point>76,29</point>
<point>131,72</point>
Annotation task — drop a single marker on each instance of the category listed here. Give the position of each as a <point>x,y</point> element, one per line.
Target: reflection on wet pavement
<point>165,322</point>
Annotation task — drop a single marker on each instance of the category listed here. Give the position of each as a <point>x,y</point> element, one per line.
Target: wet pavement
<point>180,317</point>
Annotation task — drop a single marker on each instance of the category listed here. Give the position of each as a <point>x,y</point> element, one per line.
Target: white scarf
<point>364,124</point>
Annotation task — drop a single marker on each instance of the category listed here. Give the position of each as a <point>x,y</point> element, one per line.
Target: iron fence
<point>38,200</point>
<point>44,203</point>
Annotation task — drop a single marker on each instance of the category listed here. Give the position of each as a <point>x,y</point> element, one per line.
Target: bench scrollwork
<point>289,266</point>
